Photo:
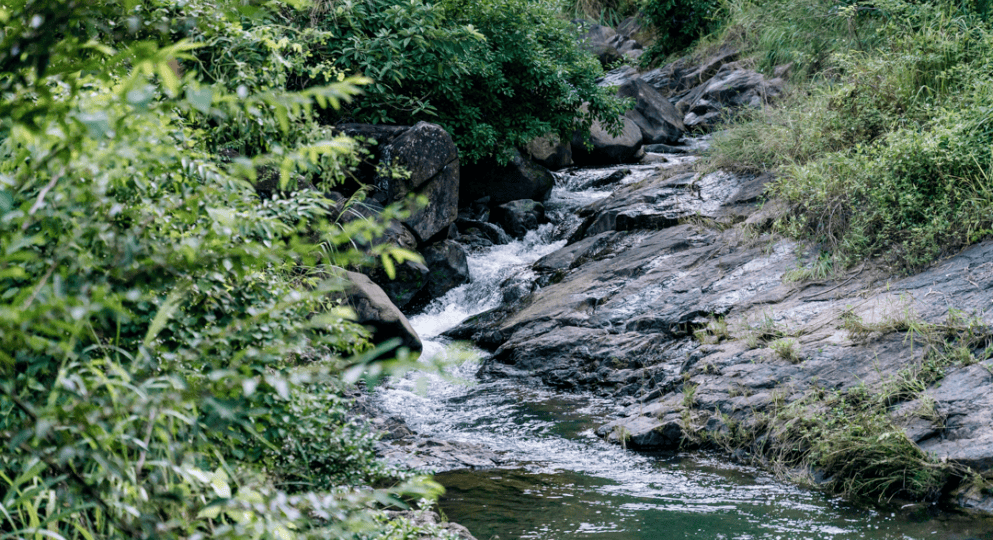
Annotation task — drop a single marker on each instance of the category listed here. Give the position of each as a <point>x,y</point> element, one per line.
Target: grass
<point>788,349</point>
<point>867,158</point>
<point>849,437</point>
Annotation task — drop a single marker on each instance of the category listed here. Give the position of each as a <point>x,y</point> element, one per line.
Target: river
<point>559,481</point>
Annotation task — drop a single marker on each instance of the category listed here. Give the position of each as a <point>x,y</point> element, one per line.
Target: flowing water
<point>559,481</point>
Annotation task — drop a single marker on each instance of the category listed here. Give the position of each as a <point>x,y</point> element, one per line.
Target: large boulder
<point>658,120</point>
<point>520,178</point>
<point>428,154</point>
<point>618,76</point>
<point>519,217</point>
<point>600,41</point>
<point>607,148</point>
<point>730,88</point>
<point>408,280</point>
<point>448,267</point>
<point>550,151</point>
<point>373,308</point>
<point>682,75</point>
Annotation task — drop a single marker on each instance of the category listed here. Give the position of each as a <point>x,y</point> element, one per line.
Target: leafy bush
<point>678,23</point>
<point>164,333</point>
<point>495,74</point>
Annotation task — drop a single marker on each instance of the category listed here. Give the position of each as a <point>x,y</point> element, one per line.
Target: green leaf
<point>200,98</point>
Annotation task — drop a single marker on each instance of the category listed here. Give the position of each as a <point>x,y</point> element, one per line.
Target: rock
<point>681,75</point>
<point>447,265</point>
<point>551,152</point>
<point>428,519</point>
<point>373,308</point>
<point>521,178</point>
<point>489,231</point>
<point>619,76</point>
<point>428,153</point>
<point>604,181</point>
<point>656,117</point>
<point>659,202</point>
<point>732,86</point>
<point>519,217</point>
<point>645,432</point>
<point>666,149</point>
<point>599,40</point>
<point>409,279</point>
<point>630,26</point>
<point>607,148</point>
<point>429,454</point>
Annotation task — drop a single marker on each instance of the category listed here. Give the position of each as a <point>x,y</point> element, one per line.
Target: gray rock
<point>600,41</point>
<point>731,87</point>
<point>409,279</point>
<point>519,217</point>
<point>373,308</point>
<point>447,265</point>
<point>426,151</point>
<point>491,232</point>
<point>551,152</point>
<point>606,148</point>
<point>658,119</point>
<point>681,75</point>
<point>619,76</point>
<point>520,178</point>
<point>428,519</point>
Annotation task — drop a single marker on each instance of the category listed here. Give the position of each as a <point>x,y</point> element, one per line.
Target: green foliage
<point>873,159</point>
<point>678,23</point>
<point>495,74</point>
<point>166,338</point>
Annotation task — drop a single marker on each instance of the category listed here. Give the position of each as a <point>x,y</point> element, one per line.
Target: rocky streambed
<point>657,312</point>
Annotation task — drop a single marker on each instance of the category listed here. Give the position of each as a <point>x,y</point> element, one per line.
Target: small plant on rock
<point>788,349</point>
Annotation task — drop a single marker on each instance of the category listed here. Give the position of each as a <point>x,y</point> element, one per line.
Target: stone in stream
<point>520,178</point>
<point>550,151</point>
<point>373,308</point>
<point>607,149</point>
<point>628,307</point>
<point>519,217</point>
<point>658,119</point>
<point>448,267</point>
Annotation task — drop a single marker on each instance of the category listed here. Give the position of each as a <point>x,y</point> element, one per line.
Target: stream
<point>557,480</point>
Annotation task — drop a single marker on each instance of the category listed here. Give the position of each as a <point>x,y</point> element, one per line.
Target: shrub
<point>678,23</point>
<point>155,316</point>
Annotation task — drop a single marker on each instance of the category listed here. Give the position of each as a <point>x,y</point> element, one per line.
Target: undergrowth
<point>848,438</point>
<point>869,155</point>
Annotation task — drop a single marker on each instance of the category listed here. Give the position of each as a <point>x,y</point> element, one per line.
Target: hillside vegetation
<point>173,348</point>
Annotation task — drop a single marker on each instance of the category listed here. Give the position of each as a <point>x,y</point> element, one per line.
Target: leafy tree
<point>166,337</point>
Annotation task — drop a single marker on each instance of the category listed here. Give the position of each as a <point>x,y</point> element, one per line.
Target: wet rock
<point>599,182</point>
<point>551,152</point>
<point>619,76</point>
<point>409,279</point>
<point>659,202</point>
<point>606,148</point>
<point>645,432</point>
<point>448,267</point>
<point>601,42</point>
<point>437,455</point>
<point>521,178</point>
<point>426,151</point>
<point>428,519</point>
<point>373,308</point>
<point>658,119</point>
<point>519,217</point>
<point>683,74</point>
<point>486,231</point>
